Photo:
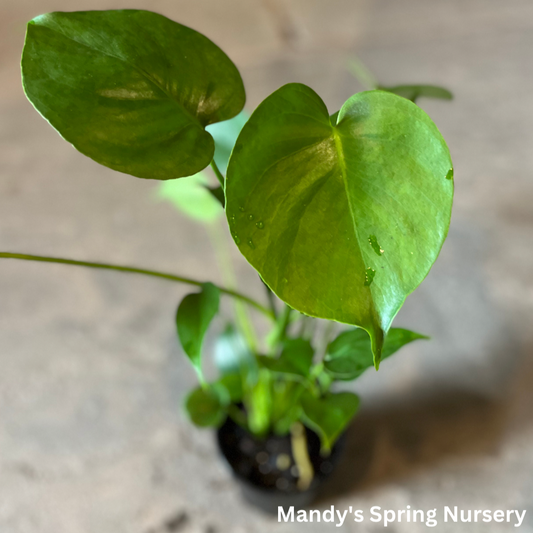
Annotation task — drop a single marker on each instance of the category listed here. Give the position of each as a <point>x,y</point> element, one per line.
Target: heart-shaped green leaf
<point>131,89</point>
<point>350,354</point>
<point>205,407</point>
<point>330,415</point>
<point>195,313</point>
<point>341,220</point>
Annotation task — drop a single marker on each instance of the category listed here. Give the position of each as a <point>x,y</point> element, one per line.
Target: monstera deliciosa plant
<point>342,214</point>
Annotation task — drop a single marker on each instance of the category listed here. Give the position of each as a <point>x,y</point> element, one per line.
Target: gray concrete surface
<point>92,438</point>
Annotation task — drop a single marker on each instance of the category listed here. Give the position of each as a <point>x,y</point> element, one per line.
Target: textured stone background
<point>92,438</point>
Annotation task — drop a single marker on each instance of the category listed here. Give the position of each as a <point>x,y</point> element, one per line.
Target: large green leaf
<point>195,313</point>
<point>341,220</point>
<point>131,89</point>
<point>350,354</point>
<point>194,197</point>
<point>330,415</point>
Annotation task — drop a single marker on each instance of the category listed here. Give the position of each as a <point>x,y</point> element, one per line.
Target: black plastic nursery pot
<point>266,469</point>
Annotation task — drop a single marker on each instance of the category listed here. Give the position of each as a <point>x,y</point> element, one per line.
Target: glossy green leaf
<point>205,408</point>
<point>413,92</point>
<point>192,197</point>
<point>342,222</point>
<point>350,354</point>
<point>330,415</point>
<point>296,358</point>
<point>131,89</point>
<point>195,313</point>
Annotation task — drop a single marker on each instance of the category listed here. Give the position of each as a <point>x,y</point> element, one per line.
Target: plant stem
<point>135,270</point>
<point>301,456</point>
<point>362,73</point>
<point>327,333</point>
<point>218,174</point>
<point>278,334</point>
<point>283,321</point>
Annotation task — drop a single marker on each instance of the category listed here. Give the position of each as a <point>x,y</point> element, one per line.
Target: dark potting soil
<point>269,463</point>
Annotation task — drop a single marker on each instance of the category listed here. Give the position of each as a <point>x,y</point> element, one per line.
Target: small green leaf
<point>286,406</point>
<point>192,197</point>
<point>323,192</point>
<point>195,313</point>
<point>413,92</point>
<point>131,89</point>
<point>205,408</point>
<point>296,358</point>
<point>259,404</point>
<point>350,354</point>
<point>330,415</point>
<point>233,385</point>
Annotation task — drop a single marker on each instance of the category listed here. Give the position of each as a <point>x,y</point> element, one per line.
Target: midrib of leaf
<point>344,173</point>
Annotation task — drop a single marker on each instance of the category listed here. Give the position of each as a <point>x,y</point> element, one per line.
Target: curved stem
<point>279,331</point>
<point>362,73</point>
<point>135,270</point>
<point>218,174</point>
<point>283,320</point>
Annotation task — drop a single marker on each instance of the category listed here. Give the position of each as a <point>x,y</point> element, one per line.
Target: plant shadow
<point>397,442</point>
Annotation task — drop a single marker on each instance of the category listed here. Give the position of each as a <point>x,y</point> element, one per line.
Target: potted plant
<point>342,215</point>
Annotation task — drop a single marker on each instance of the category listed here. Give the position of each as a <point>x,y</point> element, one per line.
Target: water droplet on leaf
<point>250,217</point>
<point>241,209</point>
<point>369,276</point>
<point>375,245</point>
<point>251,244</point>
<point>236,239</point>
<point>260,225</point>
